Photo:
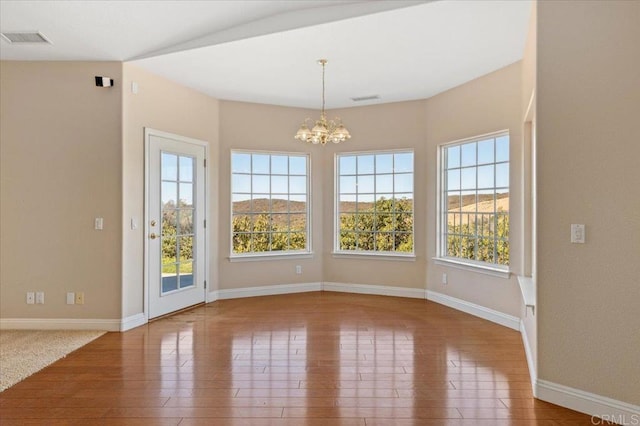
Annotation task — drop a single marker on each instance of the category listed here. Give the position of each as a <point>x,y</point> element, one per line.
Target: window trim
<point>441,258</point>
<point>271,255</point>
<point>387,255</point>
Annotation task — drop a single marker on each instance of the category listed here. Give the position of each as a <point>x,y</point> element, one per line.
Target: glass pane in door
<point>178,211</point>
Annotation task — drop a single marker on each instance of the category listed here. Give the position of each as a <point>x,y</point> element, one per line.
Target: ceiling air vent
<point>365,98</point>
<point>25,37</point>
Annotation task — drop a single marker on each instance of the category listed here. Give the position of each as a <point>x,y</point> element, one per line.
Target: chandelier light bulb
<point>324,130</point>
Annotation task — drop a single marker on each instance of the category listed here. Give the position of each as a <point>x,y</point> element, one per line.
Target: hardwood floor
<point>304,359</point>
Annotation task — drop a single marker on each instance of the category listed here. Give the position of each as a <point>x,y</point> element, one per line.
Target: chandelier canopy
<point>324,130</point>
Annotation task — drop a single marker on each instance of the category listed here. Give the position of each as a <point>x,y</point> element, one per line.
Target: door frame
<point>148,132</point>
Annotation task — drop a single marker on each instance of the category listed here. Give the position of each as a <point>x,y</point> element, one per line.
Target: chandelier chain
<point>324,130</point>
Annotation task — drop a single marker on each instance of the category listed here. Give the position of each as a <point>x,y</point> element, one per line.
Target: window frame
<point>361,254</point>
<point>494,269</point>
<point>278,254</point>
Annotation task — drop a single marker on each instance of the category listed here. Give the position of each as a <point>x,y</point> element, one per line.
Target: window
<point>475,200</point>
<point>270,199</point>
<point>375,202</point>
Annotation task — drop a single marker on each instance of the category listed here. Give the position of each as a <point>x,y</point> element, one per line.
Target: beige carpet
<point>24,352</point>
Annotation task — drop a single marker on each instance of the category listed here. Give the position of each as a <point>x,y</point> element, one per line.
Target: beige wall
<point>61,168</point>
<point>161,105</point>
<point>487,104</point>
<point>382,127</point>
<point>265,128</point>
<point>588,90</point>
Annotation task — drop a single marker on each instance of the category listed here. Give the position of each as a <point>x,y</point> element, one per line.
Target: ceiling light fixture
<point>324,131</point>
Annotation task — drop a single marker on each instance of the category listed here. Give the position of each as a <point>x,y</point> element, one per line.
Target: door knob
<point>153,236</point>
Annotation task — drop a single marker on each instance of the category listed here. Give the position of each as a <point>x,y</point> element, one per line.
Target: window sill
<point>276,256</point>
<point>378,256</point>
<point>528,289</point>
<point>473,267</point>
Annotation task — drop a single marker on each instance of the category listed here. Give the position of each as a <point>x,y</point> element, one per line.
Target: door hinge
<point>205,223</point>
<point>205,284</point>
<point>205,162</point>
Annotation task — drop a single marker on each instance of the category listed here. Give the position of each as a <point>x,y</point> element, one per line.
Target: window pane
<point>485,151</point>
<point>384,183</point>
<point>185,222</point>
<point>502,148</point>
<point>453,201</point>
<point>453,179</point>
<point>297,165</point>
<point>347,240</point>
<point>384,163</point>
<point>186,169</point>
<point>403,162</point>
<point>169,222</point>
<point>468,154</point>
<point>298,241</point>
<point>185,247</point>
<point>297,184</point>
<point>347,203</point>
<point>260,164</point>
<point>468,177</point>
<point>365,164</point>
<point>260,242</point>
<point>347,165</point>
<point>260,183</point>
<point>298,222</point>
<point>279,164</point>
<point>365,184</point>
<point>169,194</point>
<point>453,156</point>
<point>261,203</point>
<point>280,222</point>
<point>279,204</point>
<point>186,274</point>
<point>169,166</point>
<point>403,182</point>
<point>279,185</point>
<point>241,183</point>
<point>186,195</point>
<point>297,203</point>
<point>240,163</point>
<point>502,175</point>
<point>485,176</point>
<point>347,184</point>
<point>169,278</point>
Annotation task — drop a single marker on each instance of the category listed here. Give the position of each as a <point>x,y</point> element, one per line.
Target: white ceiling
<point>266,51</point>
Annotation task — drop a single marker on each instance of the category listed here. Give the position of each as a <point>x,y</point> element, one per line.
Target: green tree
<point>387,225</point>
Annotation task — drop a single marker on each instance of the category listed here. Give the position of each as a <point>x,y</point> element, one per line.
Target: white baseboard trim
<point>269,290</point>
<point>133,321</point>
<point>59,324</point>
<point>588,403</point>
<point>530,360</point>
<point>379,290</point>
<point>476,310</point>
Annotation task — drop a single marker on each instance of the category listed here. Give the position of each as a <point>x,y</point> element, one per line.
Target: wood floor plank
<point>310,359</point>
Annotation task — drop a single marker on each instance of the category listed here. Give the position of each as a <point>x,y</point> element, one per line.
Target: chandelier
<point>325,130</point>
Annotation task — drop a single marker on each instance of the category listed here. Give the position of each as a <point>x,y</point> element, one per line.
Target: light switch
<point>577,233</point>
<point>99,222</point>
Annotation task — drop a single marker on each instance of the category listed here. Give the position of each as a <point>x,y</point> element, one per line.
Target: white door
<point>175,222</point>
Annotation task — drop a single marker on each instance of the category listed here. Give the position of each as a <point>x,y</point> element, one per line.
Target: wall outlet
<point>40,297</point>
<point>31,298</point>
<point>298,269</point>
<point>444,278</point>
<point>79,298</point>
<point>71,298</point>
